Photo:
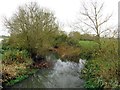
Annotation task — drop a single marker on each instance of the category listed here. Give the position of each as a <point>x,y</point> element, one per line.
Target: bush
<point>10,56</point>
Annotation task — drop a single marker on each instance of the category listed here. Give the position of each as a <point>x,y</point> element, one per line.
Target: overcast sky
<point>66,11</point>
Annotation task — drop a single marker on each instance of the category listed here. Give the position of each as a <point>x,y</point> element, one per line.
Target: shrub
<point>10,56</point>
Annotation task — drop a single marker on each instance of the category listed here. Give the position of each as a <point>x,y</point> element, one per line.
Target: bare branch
<point>100,8</point>
<point>104,30</point>
<point>87,14</point>
<point>93,19</point>
<point>88,25</point>
<point>106,20</point>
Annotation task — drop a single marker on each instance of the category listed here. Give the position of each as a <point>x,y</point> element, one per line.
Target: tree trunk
<point>98,41</point>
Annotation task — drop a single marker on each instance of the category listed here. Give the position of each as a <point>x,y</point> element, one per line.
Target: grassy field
<point>88,44</point>
<point>87,49</point>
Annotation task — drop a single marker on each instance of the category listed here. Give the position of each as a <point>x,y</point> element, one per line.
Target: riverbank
<point>102,70</point>
<point>64,74</point>
<point>14,73</point>
<point>17,64</point>
<point>17,72</point>
<point>102,64</point>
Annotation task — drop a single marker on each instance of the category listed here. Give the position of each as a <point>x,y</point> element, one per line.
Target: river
<point>62,75</point>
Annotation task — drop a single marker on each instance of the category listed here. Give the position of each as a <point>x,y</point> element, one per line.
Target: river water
<point>62,75</point>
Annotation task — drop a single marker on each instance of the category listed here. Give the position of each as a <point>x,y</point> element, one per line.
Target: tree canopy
<point>33,28</point>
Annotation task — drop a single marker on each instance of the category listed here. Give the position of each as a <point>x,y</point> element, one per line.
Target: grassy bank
<point>15,66</point>
<point>102,70</point>
<point>18,78</point>
<point>14,72</point>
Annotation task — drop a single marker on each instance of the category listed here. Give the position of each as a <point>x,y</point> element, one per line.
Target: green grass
<point>88,44</point>
<point>88,48</point>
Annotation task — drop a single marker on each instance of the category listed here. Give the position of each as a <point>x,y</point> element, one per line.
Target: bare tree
<point>115,33</point>
<point>93,19</point>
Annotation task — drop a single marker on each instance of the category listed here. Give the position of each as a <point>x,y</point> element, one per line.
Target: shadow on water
<point>62,75</point>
